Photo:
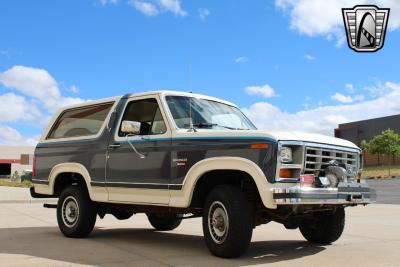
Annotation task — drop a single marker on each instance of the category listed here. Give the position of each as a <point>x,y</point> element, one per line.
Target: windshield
<point>206,114</point>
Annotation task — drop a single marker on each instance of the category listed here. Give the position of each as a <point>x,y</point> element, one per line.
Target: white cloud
<point>153,8</point>
<point>377,90</point>
<point>347,98</point>
<point>263,90</point>
<point>147,8</point>
<point>309,57</point>
<point>241,60</point>
<point>38,84</point>
<point>350,88</point>
<point>325,119</point>
<point>15,108</point>
<point>203,13</point>
<point>342,98</point>
<point>11,136</point>
<point>108,2</point>
<point>173,6</point>
<point>40,97</point>
<point>74,89</point>
<point>324,18</point>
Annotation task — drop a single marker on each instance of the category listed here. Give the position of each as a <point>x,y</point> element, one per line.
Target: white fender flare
<point>78,168</point>
<point>184,197</point>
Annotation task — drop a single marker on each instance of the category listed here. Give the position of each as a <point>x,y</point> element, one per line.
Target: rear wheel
<point>324,228</point>
<point>164,221</point>
<point>76,213</point>
<point>227,222</point>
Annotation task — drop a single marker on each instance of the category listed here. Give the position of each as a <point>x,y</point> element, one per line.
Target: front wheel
<point>227,222</point>
<point>76,213</point>
<point>324,228</point>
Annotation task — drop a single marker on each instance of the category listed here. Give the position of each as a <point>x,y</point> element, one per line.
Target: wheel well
<point>65,179</point>
<point>217,177</point>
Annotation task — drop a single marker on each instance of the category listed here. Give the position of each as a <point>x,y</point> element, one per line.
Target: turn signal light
<point>259,146</point>
<point>358,177</point>
<point>286,173</point>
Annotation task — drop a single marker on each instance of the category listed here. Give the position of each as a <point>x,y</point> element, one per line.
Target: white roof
<point>159,92</point>
<point>179,93</point>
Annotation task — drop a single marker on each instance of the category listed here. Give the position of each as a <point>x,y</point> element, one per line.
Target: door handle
<point>114,146</point>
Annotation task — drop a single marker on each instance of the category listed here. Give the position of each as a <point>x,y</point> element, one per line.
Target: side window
<point>78,122</point>
<point>148,113</point>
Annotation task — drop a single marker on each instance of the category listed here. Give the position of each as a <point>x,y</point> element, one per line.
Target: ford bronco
<point>176,156</point>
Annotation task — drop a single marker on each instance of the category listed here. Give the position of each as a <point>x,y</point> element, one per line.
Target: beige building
<point>15,158</point>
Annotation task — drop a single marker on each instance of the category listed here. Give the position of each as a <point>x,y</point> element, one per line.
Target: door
<point>138,166</point>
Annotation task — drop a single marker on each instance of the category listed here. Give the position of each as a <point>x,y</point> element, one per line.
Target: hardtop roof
<point>159,92</point>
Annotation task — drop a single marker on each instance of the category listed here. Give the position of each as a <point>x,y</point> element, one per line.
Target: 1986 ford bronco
<point>176,155</point>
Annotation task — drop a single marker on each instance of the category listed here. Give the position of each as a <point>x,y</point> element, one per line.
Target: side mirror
<point>130,127</point>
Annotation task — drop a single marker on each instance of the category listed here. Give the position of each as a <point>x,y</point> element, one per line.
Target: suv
<point>176,156</point>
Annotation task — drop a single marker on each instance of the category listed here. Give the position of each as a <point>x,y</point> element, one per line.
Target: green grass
<point>8,182</point>
<point>381,172</point>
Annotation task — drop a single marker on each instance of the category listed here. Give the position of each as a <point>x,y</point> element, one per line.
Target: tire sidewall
<point>327,229</point>
<point>240,218</point>
<point>86,210</point>
<point>164,222</point>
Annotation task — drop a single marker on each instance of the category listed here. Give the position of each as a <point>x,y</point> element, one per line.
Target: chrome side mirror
<point>130,127</point>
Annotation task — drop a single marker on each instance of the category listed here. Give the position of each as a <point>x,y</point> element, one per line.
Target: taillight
<point>34,166</point>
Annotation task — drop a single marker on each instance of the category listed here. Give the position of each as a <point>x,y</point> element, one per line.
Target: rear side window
<point>79,122</point>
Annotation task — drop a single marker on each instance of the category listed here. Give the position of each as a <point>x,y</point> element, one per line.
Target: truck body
<point>175,155</point>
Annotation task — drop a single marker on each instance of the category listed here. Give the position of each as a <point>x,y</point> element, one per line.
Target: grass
<point>381,172</point>
<point>8,182</point>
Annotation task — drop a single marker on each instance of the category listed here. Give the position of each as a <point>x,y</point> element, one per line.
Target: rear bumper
<point>345,194</point>
<point>38,195</point>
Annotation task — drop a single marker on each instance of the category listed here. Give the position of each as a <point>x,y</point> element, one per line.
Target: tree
<point>386,143</point>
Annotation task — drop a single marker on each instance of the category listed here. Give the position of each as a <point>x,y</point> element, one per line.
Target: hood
<point>308,137</point>
<point>275,135</point>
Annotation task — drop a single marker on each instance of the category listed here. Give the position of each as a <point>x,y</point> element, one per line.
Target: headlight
<point>286,155</point>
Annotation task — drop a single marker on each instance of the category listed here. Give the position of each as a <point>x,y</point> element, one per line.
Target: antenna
<point>191,127</point>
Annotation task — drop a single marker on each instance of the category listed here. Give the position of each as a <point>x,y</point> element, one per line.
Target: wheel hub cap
<point>218,222</point>
<point>70,211</point>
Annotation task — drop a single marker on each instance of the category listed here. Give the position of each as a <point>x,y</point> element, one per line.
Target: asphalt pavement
<point>387,190</point>
<point>30,237</point>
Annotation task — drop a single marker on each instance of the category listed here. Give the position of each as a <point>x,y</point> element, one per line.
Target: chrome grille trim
<point>316,158</point>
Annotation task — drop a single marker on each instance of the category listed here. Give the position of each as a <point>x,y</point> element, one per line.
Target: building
<point>366,130</point>
<point>15,159</point>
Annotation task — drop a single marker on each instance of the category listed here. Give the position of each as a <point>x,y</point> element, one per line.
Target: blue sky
<point>285,62</point>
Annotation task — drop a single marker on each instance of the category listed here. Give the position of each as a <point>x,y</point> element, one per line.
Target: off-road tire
<point>233,241</point>
<point>325,228</point>
<point>164,221</point>
<point>86,212</point>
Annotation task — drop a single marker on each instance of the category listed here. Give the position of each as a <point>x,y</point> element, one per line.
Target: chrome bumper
<point>345,193</point>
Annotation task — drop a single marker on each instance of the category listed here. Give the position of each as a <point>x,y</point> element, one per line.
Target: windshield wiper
<point>210,125</point>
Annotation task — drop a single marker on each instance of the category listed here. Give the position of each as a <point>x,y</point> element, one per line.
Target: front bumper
<point>344,194</point>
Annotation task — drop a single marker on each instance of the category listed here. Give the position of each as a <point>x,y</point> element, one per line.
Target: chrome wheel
<point>218,222</point>
<point>70,211</point>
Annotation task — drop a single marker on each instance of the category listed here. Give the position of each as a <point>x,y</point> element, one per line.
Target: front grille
<point>317,158</point>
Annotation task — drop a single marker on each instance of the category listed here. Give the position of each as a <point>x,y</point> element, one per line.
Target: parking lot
<point>30,237</point>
